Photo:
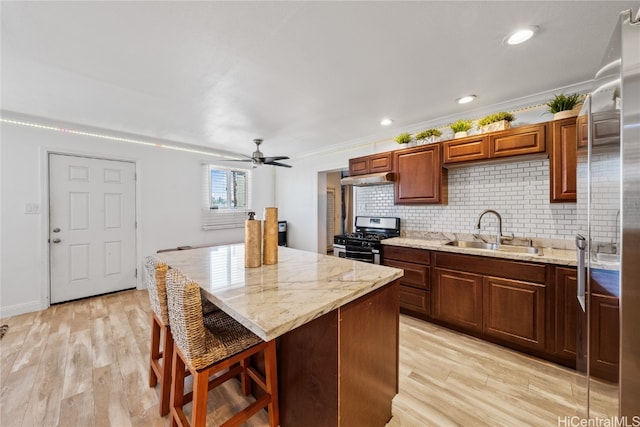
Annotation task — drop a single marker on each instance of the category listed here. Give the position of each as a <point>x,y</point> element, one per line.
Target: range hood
<point>369,179</point>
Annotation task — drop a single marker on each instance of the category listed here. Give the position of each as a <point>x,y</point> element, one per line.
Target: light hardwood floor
<point>85,363</point>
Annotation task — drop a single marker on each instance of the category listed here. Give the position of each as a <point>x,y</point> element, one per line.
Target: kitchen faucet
<point>499,234</point>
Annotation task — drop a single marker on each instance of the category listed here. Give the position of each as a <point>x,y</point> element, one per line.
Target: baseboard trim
<point>14,310</point>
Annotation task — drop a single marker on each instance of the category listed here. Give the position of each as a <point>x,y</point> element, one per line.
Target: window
<point>226,197</point>
<point>228,189</point>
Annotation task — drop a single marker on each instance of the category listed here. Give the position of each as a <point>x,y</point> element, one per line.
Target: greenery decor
<point>427,133</point>
<point>497,117</point>
<point>563,102</point>
<point>403,138</point>
<point>461,126</point>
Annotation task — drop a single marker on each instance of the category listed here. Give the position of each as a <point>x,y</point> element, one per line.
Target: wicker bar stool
<point>159,357</point>
<point>206,346</point>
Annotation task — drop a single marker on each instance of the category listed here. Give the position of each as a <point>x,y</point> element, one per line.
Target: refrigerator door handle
<point>581,244</point>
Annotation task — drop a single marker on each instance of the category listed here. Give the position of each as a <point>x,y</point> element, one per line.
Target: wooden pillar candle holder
<point>252,242</point>
<point>270,240</point>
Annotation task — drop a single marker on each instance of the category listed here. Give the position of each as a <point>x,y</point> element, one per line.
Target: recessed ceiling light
<point>386,122</point>
<point>466,99</point>
<point>521,35</point>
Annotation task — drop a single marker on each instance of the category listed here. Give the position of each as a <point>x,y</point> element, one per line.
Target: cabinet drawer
<point>415,275</point>
<point>465,150</point>
<point>518,141</point>
<point>415,300</point>
<point>399,253</point>
<point>518,270</point>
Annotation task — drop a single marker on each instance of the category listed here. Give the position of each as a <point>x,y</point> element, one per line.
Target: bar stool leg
<point>154,352</point>
<point>177,390</point>
<point>200,394</point>
<point>167,357</point>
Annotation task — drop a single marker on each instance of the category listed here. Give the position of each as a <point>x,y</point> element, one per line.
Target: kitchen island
<point>335,321</point>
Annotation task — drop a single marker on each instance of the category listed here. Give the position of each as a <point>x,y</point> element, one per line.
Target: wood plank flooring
<point>86,363</point>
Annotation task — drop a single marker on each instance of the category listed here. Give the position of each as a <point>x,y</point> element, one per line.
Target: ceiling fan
<point>257,158</point>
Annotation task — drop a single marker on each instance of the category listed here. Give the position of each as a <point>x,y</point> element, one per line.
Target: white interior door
<point>91,226</point>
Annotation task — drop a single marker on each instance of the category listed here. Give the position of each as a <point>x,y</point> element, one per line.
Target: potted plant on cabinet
<point>496,122</point>
<point>460,128</point>
<point>563,106</point>
<point>427,136</point>
<point>403,139</point>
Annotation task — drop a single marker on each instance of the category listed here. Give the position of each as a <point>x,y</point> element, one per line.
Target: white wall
<point>169,200</point>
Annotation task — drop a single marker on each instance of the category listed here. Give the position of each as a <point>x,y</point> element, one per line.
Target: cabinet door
<point>381,162</point>
<point>419,175</point>
<point>604,337</point>
<point>458,298</point>
<point>518,141</point>
<point>514,311</point>
<point>465,150</point>
<point>359,166</point>
<point>566,313</point>
<point>563,160</point>
<point>401,253</point>
<point>583,133</point>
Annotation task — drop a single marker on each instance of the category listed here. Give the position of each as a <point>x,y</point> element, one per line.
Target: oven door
<point>357,253</point>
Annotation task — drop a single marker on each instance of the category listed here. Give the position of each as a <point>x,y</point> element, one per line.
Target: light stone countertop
<point>274,299</point>
<point>566,257</point>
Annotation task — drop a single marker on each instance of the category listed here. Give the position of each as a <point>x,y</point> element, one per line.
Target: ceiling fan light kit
<point>257,158</point>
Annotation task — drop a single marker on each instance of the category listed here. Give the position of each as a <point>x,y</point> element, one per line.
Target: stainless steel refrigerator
<point>608,232</point>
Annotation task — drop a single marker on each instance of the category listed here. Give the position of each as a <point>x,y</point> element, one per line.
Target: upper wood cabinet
<point>583,131</point>
<point>382,162</point>
<point>562,160</point>
<point>419,175</point>
<point>518,141</point>
<point>466,149</point>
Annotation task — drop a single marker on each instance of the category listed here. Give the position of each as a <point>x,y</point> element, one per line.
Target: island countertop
<point>274,299</point>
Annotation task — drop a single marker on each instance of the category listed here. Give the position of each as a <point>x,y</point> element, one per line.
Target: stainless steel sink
<point>475,245</point>
<point>493,247</point>
<point>520,249</point>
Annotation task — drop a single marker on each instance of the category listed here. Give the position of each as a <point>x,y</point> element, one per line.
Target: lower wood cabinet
<point>415,285</point>
<point>458,298</point>
<point>604,343</point>
<point>566,313</point>
<point>515,311</point>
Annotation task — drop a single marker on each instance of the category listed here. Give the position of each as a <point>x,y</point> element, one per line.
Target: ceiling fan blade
<point>233,160</point>
<point>274,159</point>
<point>277,164</point>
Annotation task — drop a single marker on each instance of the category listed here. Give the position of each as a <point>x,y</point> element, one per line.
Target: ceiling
<point>301,75</point>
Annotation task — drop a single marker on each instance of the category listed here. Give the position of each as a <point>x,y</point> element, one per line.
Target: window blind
<point>225,197</point>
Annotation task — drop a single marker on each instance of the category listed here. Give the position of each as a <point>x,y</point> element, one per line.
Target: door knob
<point>56,230</point>
<point>56,240</point>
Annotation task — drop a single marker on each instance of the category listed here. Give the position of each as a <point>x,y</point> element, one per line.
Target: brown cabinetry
<point>382,162</point>
<point>512,142</point>
<point>419,175</point>
<point>415,285</point>
<point>562,160</point>
<point>604,324</point>
<point>514,311</point>
<point>566,313</point>
<point>518,141</point>
<point>458,298</point>
<point>466,149</point>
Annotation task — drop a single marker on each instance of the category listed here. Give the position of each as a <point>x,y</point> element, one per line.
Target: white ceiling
<point>301,75</point>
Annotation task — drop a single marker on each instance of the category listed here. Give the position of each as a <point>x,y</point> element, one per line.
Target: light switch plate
<point>32,208</point>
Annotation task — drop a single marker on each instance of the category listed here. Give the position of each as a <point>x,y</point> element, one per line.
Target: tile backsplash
<point>519,191</point>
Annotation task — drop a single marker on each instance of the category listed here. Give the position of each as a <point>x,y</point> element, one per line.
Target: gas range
<point>364,244</point>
